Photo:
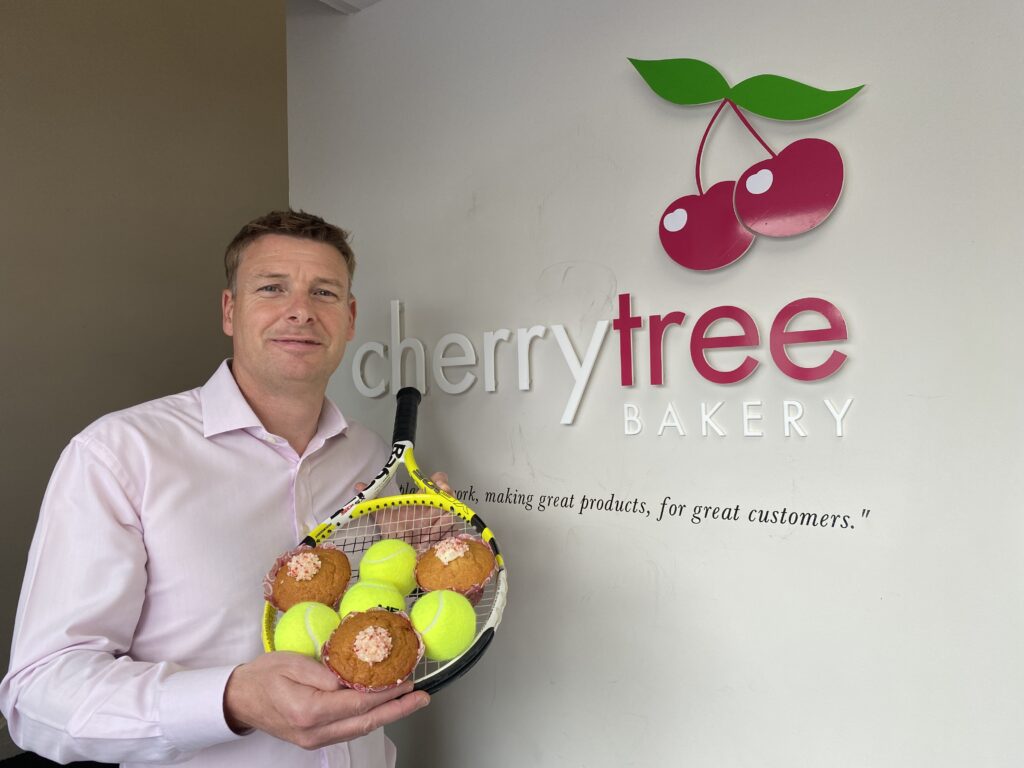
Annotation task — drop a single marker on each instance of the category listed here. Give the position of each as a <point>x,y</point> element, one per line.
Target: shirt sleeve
<point>72,691</point>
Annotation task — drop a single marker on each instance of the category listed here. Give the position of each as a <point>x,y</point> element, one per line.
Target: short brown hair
<point>293,224</point>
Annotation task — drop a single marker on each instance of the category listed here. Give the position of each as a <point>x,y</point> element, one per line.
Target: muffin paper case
<point>326,657</point>
<point>475,592</point>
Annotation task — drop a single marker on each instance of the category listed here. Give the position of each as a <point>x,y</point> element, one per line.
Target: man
<point>137,635</point>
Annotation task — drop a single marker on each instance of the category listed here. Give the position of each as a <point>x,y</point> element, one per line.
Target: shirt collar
<point>225,408</point>
<point>331,422</point>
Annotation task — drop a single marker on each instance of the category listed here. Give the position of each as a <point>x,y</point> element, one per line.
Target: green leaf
<point>779,98</point>
<point>683,81</point>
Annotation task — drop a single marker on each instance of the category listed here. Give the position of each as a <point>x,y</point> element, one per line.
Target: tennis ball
<point>305,627</point>
<point>447,622</point>
<point>370,594</point>
<point>391,561</point>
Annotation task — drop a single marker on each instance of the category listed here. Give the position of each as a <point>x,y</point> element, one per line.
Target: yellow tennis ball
<point>447,622</point>
<point>391,561</point>
<point>370,594</point>
<point>305,627</point>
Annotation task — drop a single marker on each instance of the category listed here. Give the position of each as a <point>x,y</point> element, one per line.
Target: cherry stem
<point>703,139</point>
<point>707,131</point>
<point>750,128</point>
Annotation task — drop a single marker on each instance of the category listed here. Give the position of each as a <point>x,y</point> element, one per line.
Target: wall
<point>502,165</point>
<point>135,138</point>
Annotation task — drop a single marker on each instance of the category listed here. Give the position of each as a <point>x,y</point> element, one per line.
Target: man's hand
<point>441,481</point>
<point>424,525</point>
<point>299,700</point>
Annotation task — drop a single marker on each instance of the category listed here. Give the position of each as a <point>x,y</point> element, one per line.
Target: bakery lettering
<point>456,366</point>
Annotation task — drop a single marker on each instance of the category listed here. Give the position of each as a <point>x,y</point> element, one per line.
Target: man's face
<point>291,314</point>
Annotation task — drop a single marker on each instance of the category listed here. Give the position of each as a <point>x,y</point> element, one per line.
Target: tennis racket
<point>366,519</point>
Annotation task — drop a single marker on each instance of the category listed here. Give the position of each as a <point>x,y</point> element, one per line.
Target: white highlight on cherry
<point>676,220</point>
<point>760,182</point>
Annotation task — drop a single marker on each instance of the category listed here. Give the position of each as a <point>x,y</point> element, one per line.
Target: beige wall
<point>136,136</point>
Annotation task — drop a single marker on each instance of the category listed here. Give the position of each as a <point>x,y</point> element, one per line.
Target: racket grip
<point>405,416</point>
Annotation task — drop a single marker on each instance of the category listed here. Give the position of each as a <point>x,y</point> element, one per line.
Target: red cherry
<point>792,192</point>
<point>702,232</point>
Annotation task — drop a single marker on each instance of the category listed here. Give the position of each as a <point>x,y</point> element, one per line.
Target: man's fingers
<point>440,528</point>
<point>327,707</point>
<point>376,717</point>
<point>441,480</point>
<point>304,671</point>
<point>373,700</point>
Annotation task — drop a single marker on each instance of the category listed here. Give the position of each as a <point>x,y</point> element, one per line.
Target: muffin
<point>373,650</point>
<point>308,574</point>
<point>460,563</point>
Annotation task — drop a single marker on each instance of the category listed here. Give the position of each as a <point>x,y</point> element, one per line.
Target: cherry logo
<point>789,193</point>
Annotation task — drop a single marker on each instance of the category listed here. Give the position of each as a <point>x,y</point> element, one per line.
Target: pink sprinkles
<point>304,566</point>
<point>450,549</point>
<point>372,645</point>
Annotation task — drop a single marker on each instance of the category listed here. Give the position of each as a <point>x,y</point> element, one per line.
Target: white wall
<point>501,166</point>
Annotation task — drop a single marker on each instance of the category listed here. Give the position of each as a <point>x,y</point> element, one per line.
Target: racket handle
<point>405,416</point>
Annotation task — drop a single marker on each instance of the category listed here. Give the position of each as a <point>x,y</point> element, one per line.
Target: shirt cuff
<point>192,709</point>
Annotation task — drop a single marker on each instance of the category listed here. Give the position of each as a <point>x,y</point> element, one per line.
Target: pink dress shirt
<point>143,588</point>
